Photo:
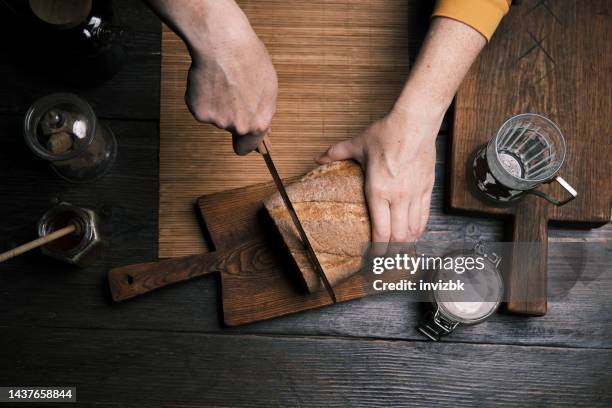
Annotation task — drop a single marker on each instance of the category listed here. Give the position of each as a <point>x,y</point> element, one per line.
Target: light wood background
<point>340,65</point>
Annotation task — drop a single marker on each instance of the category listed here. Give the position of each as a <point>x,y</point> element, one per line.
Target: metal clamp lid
<point>434,325</point>
<point>482,249</point>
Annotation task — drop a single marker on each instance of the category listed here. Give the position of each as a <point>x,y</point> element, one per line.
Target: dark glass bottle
<point>88,46</point>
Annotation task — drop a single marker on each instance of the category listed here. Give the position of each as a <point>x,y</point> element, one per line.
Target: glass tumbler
<point>527,151</point>
<point>63,129</point>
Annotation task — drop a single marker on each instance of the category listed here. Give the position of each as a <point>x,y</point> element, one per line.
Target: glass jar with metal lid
<point>80,248</point>
<point>480,298</point>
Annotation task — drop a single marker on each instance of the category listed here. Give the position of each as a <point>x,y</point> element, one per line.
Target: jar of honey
<point>80,248</point>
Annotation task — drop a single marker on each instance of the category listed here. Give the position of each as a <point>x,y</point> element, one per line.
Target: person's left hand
<point>398,156</point>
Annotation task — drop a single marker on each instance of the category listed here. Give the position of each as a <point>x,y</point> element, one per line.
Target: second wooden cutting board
<point>551,58</point>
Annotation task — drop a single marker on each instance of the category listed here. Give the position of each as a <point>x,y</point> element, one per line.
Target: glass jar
<point>80,248</point>
<point>63,129</point>
<point>481,297</point>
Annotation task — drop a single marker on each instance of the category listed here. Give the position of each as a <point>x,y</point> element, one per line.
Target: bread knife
<point>264,150</point>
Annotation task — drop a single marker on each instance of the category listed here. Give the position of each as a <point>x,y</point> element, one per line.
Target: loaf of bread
<point>331,206</point>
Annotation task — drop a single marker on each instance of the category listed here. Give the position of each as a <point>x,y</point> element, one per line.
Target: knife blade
<point>264,150</point>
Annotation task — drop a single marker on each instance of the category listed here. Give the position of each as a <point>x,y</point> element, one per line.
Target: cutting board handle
<point>133,280</point>
<point>526,281</point>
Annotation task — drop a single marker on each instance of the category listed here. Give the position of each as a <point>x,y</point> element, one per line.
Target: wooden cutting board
<point>341,64</point>
<point>553,58</point>
<point>258,279</point>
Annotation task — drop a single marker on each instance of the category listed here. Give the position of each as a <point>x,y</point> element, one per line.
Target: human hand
<point>232,83</point>
<point>398,152</point>
<point>398,156</point>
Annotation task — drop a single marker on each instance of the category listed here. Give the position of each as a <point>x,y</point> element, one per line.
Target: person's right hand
<point>232,83</point>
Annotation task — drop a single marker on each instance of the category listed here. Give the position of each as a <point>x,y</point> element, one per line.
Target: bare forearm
<point>398,151</point>
<point>449,50</point>
<point>197,21</point>
<point>231,83</point>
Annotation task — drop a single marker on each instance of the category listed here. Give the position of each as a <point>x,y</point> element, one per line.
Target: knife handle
<point>243,144</point>
<point>264,145</point>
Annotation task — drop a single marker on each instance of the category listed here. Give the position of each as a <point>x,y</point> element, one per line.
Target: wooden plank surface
<point>340,66</point>
<point>58,323</point>
<point>61,296</point>
<point>552,58</point>
<point>536,63</point>
<point>126,198</point>
<point>154,368</point>
<point>275,288</point>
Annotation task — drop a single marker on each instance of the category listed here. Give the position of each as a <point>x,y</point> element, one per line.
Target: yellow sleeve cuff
<point>482,15</point>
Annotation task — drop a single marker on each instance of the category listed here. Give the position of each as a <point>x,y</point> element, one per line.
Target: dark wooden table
<point>58,325</point>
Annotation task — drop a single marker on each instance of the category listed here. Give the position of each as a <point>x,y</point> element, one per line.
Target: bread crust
<point>331,205</point>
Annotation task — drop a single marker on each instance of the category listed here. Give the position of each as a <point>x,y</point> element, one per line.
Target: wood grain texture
<point>250,294</point>
<point>537,62</point>
<point>125,282</point>
<point>259,278</point>
<point>68,298</point>
<point>526,276</point>
<point>61,296</point>
<point>58,324</point>
<point>553,60</point>
<point>340,65</point>
<point>153,368</point>
<point>125,198</point>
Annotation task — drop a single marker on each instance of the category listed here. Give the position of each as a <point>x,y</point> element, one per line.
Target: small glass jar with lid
<point>83,246</point>
<point>63,129</point>
<point>482,294</point>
